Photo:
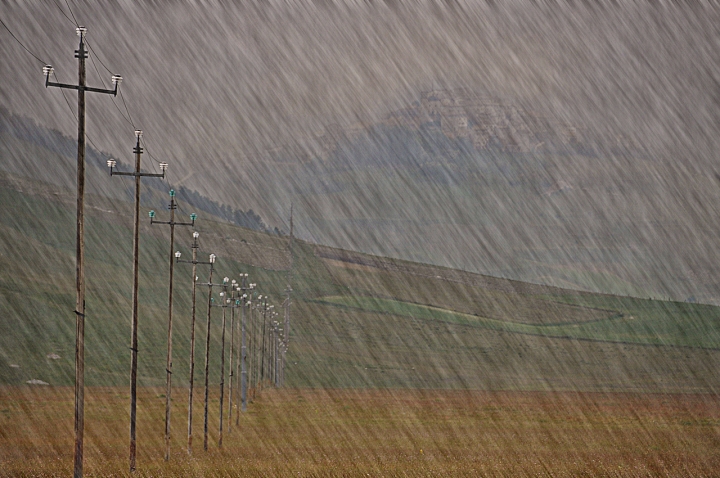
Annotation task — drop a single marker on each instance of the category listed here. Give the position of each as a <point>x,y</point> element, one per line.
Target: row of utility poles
<point>233,295</point>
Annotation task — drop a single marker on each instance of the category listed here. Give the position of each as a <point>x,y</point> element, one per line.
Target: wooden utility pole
<point>276,345</point>
<point>244,287</point>
<point>224,302</point>
<point>233,287</point>
<point>136,276</point>
<point>192,340</point>
<point>81,54</point>
<point>254,370</point>
<point>207,352</point>
<point>288,290</point>
<point>168,367</point>
<point>194,262</point>
<point>263,347</point>
<point>243,351</point>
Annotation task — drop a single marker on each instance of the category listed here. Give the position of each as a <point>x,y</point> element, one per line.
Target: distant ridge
<point>47,163</point>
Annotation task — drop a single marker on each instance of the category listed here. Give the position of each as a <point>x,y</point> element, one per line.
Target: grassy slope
<point>413,325</point>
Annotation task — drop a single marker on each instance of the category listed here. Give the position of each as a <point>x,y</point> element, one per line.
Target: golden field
<point>382,432</point>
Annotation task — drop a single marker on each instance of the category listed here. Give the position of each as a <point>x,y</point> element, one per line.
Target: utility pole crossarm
<point>210,284</point>
<point>84,88</point>
<point>171,223</point>
<point>144,175</point>
<point>193,262</point>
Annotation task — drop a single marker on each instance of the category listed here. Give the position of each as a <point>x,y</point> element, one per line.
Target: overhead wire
<point>122,97</point>
<point>63,12</point>
<point>71,13</point>
<point>165,179</point>
<point>21,43</point>
<point>127,118</point>
<point>44,63</point>
<point>75,22</point>
<point>130,121</point>
<point>87,136</point>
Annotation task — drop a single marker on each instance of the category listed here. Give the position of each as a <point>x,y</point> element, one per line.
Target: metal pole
<point>244,287</point>
<point>273,365</point>
<point>237,364</point>
<point>289,281</point>
<point>237,358</point>
<point>286,338</point>
<point>278,339</point>
<point>194,262</point>
<point>280,357</point>
<point>80,54</point>
<point>207,359</point>
<point>192,344</point>
<point>168,368</point>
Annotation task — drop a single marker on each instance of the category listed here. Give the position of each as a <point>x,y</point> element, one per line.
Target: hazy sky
<point>212,83</point>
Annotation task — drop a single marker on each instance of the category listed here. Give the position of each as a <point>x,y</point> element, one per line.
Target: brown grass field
<point>315,432</point>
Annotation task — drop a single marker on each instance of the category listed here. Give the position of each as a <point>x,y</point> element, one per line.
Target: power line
<point>21,43</point>
<point>165,179</point>
<point>87,136</point>
<point>122,97</point>
<point>99,59</point>
<point>103,83</point>
<point>56,78</point>
<point>127,118</point>
<point>71,13</point>
<point>67,102</point>
<point>63,12</point>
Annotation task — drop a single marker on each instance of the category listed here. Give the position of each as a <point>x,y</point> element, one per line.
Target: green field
<point>665,324</point>
<point>357,321</point>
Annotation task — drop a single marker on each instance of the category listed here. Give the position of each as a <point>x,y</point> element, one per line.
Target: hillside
<point>603,222</point>
<point>358,320</point>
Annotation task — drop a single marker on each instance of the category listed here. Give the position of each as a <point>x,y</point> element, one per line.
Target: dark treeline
<point>54,141</point>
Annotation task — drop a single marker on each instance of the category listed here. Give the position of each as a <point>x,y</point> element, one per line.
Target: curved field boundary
<point>618,329</point>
